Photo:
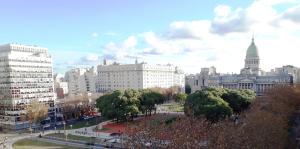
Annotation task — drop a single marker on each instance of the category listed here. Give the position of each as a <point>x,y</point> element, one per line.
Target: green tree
<point>180,97</point>
<point>188,89</point>
<point>205,103</point>
<point>238,100</point>
<point>149,99</point>
<point>216,91</point>
<point>120,105</point>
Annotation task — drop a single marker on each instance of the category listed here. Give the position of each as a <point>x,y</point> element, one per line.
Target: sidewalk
<point>89,131</point>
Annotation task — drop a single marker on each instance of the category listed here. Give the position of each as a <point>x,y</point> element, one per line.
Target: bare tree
<point>36,112</point>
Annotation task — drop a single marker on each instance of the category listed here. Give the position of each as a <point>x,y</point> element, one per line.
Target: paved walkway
<point>89,132</point>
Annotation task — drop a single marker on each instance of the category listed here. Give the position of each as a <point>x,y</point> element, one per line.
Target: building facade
<point>137,76</point>
<point>250,77</point>
<point>60,86</point>
<point>81,81</point>
<point>25,75</point>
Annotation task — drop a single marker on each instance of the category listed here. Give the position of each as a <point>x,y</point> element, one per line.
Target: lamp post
<point>65,132</point>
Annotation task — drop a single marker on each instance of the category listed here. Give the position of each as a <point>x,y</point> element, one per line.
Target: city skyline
<point>189,35</point>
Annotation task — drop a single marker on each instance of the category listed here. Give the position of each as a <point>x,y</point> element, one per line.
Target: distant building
<point>81,81</point>
<point>137,76</point>
<point>288,69</point>
<point>60,93</point>
<point>60,86</point>
<point>25,75</point>
<point>251,76</point>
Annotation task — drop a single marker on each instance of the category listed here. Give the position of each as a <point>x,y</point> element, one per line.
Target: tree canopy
<point>124,104</point>
<point>188,89</point>
<point>180,97</point>
<point>238,100</point>
<point>205,103</point>
<point>149,99</point>
<point>119,104</point>
<point>216,103</point>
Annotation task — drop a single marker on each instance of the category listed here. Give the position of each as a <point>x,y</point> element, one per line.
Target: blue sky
<point>171,31</point>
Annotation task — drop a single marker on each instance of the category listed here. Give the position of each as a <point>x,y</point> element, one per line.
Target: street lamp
<point>65,132</point>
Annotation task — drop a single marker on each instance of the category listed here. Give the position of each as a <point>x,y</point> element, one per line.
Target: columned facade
<point>251,77</point>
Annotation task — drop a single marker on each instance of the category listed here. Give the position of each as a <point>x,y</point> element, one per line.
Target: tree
<point>216,91</point>
<point>272,121</point>
<point>204,103</point>
<point>119,104</point>
<point>149,99</point>
<point>238,100</point>
<point>188,89</point>
<point>180,97</point>
<point>36,112</point>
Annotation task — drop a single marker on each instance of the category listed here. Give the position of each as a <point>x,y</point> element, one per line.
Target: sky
<point>190,34</point>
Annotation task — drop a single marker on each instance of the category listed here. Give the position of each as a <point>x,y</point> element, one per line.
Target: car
<point>84,117</point>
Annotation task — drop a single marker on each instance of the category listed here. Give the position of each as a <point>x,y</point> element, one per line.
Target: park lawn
<point>175,107</point>
<point>71,137</point>
<point>35,144</point>
<point>84,123</point>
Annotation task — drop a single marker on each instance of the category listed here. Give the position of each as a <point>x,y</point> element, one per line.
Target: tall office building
<point>137,76</point>
<point>25,75</point>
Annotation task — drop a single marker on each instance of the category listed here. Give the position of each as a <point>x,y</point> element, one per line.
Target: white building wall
<point>135,76</point>
<point>81,80</point>
<point>25,75</point>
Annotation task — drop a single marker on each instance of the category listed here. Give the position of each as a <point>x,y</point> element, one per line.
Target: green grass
<point>175,107</point>
<point>104,129</point>
<point>82,124</point>
<point>71,137</point>
<point>35,144</point>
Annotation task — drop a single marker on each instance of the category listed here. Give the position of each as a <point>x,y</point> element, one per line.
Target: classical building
<point>25,75</point>
<point>137,76</point>
<point>251,76</point>
<point>81,81</point>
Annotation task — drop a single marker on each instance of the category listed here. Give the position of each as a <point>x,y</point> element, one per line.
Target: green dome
<point>252,50</point>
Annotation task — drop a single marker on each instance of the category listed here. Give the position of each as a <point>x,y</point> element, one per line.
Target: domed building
<point>252,60</point>
<point>251,76</point>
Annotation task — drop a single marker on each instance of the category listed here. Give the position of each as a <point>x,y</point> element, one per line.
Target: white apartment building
<point>81,80</point>
<point>137,76</point>
<point>25,75</point>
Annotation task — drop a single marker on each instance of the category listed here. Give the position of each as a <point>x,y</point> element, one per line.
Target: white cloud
<point>189,29</point>
<point>121,52</point>
<point>130,42</point>
<point>292,14</point>
<point>95,35</point>
<point>221,41</point>
<point>222,10</point>
<point>91,57</point>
